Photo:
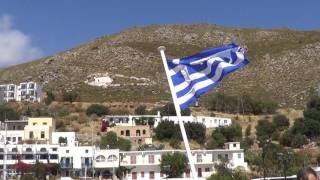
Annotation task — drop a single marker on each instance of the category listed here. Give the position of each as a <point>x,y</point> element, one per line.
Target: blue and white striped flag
<point>195,75</point>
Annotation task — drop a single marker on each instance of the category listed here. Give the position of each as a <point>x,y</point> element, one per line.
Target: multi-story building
<point>25,91</point>
<point>137,134</point>
<point>145,164</point>
<point>129,120</point>
<point>35,129</point>
<point>80,161</point>
<point>40,129</point>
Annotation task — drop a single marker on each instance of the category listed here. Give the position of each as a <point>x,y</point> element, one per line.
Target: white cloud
<point>15,46</point>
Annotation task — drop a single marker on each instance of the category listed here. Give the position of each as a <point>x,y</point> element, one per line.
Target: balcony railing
<point>88,165</point>
<point>66,165</point>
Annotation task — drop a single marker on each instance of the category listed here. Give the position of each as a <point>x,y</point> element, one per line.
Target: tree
<point>264,129</point>
<point>97,109</point>
<point>167,130</point>
<point>248,130</point>
<point>196,131</point>
<point>169,110</point>
<point>69,96</point>
<point>140,110</point>
<point>281,122</point>
<point>50,98</point>
<point>224,173</point>
<point>8,113</point>
<point>217,140</point>
<point>124,144</point>
<point>173,164</point>
<point>39,170</point>
<point>109,140</point>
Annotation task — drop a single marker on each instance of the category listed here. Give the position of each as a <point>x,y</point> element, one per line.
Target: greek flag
<point>195,75</point>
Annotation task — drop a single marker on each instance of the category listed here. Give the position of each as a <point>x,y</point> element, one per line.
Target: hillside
<point>284,64</point>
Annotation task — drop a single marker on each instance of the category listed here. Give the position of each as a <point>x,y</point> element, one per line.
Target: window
<point>234,145</point>
<point>122,133</point>
<point>31,93</point>
<point>100,158</point>
<point>199,172</point>
<point>188,173</point>
<point>219,156</point>
<point>28,150</point>
<point>54,149</point>
<point>14,139</point>
<point>14,127</point>
<point>142,174</point>
<point>53,156</point>
<point>19,139</point>
<point>207,169</point>
<point>226,156</point>
<point>151,175</point>
<point>199,158</point>
<point>151,159</point>
<point>23,93</point>
<point>137,132</point>
<point>143,131</point>
<point>44,123</point>
<point>14,150</point>
<point>225,121</point>
<point>34,124</point>
<point>31,86</point>
<point>215,120</point>
<point>134,175</point>
<point>86,150</point>
<point>127,132</point>
<point>239,156</point>
<point>133,159</point>
<point>31,134</point>
<point>8,138</point>
<point>67,151</point>
<point>23,86</point>
<point>42,135</point>
<point>43,150</point>
<point>112,158</point>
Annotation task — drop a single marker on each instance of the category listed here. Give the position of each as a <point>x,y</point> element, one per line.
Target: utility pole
<point>5,151</point>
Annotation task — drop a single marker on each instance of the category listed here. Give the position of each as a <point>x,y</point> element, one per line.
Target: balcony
<point>88,165</point>
<point>66,165</point>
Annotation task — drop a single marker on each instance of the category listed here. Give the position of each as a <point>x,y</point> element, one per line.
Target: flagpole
<point>161,49</point>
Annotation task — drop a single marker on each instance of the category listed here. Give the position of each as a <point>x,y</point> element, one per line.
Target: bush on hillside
<point>97,109</point>
<point>281,122</point>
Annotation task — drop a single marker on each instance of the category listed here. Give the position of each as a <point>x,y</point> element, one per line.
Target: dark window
<point>134,175</point>
<point>143,131</point>
<point>199,172</point>
<point>122,133</point>
<point>133,159</point>
<point>53,156</point>
<point>42,135</point>
<point>127,132</point>
<point>151,175</point>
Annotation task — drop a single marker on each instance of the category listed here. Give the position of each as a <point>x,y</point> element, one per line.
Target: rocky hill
<point>284,64</point>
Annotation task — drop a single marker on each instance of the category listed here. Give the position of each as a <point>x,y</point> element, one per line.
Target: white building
<point>129,120</point>
<point>145,164</point>
<point>69,136</point>
<point>25,91</point>
<point>79,161</point>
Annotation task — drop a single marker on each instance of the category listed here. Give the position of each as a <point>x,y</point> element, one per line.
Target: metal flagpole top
<point>161,48</point>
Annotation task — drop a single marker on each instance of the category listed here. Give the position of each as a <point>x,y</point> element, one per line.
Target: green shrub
<point>173,164</point>
<point>97,109</point>
<point>281,122</point>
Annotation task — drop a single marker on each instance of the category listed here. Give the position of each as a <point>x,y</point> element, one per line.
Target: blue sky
<point>48,27</point>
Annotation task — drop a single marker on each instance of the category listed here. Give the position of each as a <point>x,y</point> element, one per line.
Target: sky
<point>31,29</point>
